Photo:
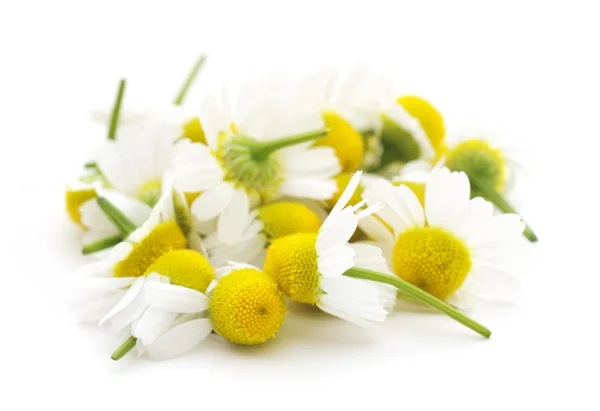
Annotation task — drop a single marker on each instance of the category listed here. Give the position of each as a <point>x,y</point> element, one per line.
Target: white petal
<point>311,188</point>
<point>348,192</point>
<point>152,324</point>
<point>376,230</point>
<point>336,260</point>
<point>446,195</point>
<point>179,340</point>
<point>234,217</point>
<point>336,230</point>
<point>127,300</point>
<point>175,298</point>
<point>212,202</point>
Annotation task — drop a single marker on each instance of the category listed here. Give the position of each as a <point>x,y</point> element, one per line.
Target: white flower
<point>231,179</point>
<point>309,267</point>
<point>454,248</point>
<point>100,284</point>
<point>136,163</point>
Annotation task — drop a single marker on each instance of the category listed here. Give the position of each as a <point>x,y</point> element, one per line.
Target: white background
<point>529,68</point>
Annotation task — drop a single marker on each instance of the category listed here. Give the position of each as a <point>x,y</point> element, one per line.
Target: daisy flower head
<point>169,227</point>
<point>265,224</point>
<point>331,98</point>
<point>408,127</point>
<point>178,303</point>
<point>309,267</point>
<point>247,162</point>
<point>453,247</point>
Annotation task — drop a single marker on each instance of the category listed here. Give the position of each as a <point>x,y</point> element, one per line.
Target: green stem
<point>116,216</point>
<point>102,244</point>
<point>499,201</point>
<point>418,294</point>
<point>114,117</point>
<point>262,149</point>
<point>189,80</point>
<point>124,349</point>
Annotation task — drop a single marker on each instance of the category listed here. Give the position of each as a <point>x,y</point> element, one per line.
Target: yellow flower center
<point>477,158</point>
<point>74,200</point>
<point>150,191</point>
<point>345,140</point>
<point>190,197</point>
<point>187,268</point>
<point>246,307</point>
<point>165,237</point>
<point>342,181</point>
<point>285,218</point>
<point>428,116</point>
<point>432,259</point>
<point>292,262</point>
<point>417,188</point>
<point>193,131</point>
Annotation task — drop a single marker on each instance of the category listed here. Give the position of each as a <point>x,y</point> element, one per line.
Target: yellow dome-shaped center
<point>342,181</point>
<point>432,259</point>
<point>345,140</point>
<point>417,188</point>
<point>74,199</point>
<point>246,307</point>
<point>285,218</point>
<point>477,158</point>
<point>292,262</point>
<point>165,237</point>
<point>193,131</point>
<point>187,268</point>
<point>428,116</point>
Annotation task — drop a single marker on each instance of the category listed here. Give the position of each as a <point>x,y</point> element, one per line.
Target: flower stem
<point>499,201</point>
<point>114,117</point>
<point>189,80</point>
<point>420,295</point>
<point>124,349</point>
<point>116,216</point>
<point>102,244</point>
<point>262,149</point>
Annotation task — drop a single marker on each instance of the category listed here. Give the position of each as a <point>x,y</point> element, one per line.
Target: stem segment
<point>124,349</point>
<point>262,149</point>
<point>102,244</point>
<point>499,201</point>
<point>420,295</point>
<point>189,80</point>
<point>114,117</point>
<point>116,216</point>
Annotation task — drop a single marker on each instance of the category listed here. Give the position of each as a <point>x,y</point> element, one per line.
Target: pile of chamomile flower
<point>332,190</point>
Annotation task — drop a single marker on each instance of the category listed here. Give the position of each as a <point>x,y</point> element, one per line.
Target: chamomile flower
<point>177,304</point>
<point>490,168</point>
<point>245,164</point>
<point>330,99</point>
<point>309,267</point>
<point>409,127</point>
<point>266,224</point>
<point>453,247</point>
<point>137,161</point>
<point>101,283</point>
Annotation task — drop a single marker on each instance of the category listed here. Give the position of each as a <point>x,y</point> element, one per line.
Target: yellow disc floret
<point>345,140</point>
<point>187,268</point>
<point>428,116</point>
<point>246,307</point>
<point>478,159</point>
<point>165,237</point>
<point>417,188</point>
<point>292,262</point>
<point>432,259</point>
<point>193,131</point>
<point>285,218</point>
<point>342,181</point>
<point>74,199</point>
